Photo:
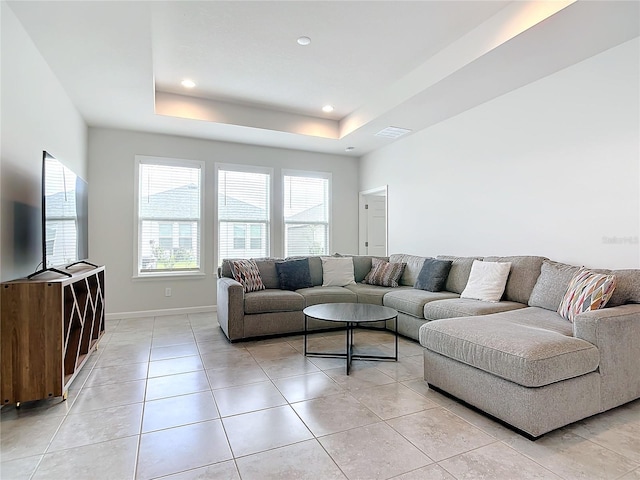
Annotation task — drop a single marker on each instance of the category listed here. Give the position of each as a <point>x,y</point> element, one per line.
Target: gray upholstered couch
<point>275,312</point>
<point>516,359</point>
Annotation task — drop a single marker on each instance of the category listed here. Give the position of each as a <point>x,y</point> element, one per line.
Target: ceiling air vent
<point>392,132</point>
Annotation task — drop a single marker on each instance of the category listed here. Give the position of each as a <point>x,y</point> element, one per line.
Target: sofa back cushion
<point>627,286</point>
<point>412,270</point>
<point>552,284</point>
<point>523,276</point>
<point>459,273</point>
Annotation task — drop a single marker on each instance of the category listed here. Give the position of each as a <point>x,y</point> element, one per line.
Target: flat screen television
<point>65,229</point>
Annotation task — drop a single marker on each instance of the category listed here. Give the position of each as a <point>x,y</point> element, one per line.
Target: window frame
<point>268,225</point>
<point>172,162</point>
<point>308,174</point>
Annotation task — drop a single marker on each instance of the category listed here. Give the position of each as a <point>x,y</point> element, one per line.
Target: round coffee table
<point>353,315</point>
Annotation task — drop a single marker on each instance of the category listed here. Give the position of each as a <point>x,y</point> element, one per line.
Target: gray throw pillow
<point>433,275</point>
<point>294,274</point>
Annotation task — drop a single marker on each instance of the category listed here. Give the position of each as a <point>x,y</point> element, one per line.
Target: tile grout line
<point>144,404</point>
<point>215,402</point>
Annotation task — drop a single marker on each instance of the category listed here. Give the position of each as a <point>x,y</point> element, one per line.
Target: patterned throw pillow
<point>246,272</point>
<point>586,291</point>
<point>384,274</point>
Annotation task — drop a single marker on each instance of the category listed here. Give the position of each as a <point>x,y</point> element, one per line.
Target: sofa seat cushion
<point>465,307</point>
<point>371,293</point>
<point>272,300</point>
<point>527,355</point>
<point>412,301</point>
<point>316,295</point>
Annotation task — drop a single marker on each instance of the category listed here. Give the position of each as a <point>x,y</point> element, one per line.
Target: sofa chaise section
<point>532,368</point>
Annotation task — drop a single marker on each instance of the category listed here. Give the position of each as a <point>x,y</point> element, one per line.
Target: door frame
<point>382,191</point>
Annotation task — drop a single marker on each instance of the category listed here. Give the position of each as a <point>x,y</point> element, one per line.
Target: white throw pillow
<point>487,281</point>
<point>337,271</point>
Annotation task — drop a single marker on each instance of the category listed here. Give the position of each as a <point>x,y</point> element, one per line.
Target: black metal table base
<point>348,354</point>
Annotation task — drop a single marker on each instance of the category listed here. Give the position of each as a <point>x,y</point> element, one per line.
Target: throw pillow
<point>384,274</point>
<point>337,271</point>
<point>433,275</point>
<point>294,274</point>
<point>587,291</point>
<point>487,281</point>
<point>246,272</point>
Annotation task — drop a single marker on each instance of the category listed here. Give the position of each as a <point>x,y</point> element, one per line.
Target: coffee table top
<point>350,312</point>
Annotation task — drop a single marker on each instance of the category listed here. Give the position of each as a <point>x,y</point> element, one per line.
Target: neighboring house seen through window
<point>306,213</point>
<point>169,205</point>
<point>244,211</point>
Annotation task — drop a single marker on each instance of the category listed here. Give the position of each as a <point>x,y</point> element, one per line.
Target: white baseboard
<point>158,313</point>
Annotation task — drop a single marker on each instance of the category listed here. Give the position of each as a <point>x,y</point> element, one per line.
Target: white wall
<point>36,115</point>
<point>111,209</point>
<point>550,169</point>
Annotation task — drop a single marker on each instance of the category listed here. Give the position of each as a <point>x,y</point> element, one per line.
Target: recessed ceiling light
<point>349,149</point>
<point>304,41</point>
<point>188,83</point>
<point>327,108</point>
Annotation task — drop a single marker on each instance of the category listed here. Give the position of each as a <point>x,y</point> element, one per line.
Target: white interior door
<point>373,223</point>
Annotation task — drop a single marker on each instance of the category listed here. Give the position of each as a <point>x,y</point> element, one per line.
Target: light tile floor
<point>170,397</point>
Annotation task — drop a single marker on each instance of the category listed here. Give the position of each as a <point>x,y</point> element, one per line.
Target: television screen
<point>65,218</point>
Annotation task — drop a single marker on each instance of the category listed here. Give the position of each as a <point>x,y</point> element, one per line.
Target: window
<point>244,211</point>
<point>306,213</point>
<point>169,206</point>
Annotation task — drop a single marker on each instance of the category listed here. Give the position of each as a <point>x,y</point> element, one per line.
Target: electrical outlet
<point>167,292</point>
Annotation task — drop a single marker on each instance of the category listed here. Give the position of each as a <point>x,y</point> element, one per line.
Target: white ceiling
<point>380,63</point>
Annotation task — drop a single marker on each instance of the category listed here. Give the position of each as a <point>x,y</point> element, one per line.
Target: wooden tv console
<point>49,326</point>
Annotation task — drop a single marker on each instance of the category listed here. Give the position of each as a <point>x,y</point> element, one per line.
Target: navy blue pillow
<point>433,275</point>
<point>294,274</point>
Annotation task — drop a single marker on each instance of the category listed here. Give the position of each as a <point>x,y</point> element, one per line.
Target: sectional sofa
<point>516,359</point>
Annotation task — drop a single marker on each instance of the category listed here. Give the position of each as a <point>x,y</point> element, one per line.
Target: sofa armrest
<point>615,331</point>
<point>231,308</point>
